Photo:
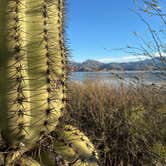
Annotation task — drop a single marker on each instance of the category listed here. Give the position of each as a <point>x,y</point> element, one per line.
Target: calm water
<point>134,77</point>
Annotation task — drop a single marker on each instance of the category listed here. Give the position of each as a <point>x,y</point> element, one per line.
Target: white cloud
<point>123,59</point>
<point>128,58</point>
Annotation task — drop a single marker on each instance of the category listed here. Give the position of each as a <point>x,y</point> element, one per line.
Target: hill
<point>93,65</point>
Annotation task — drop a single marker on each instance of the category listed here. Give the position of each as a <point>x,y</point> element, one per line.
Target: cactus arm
<point>14,85</point>
<point>64,150</point>
<point>79,142</point>
<point>72,140</point>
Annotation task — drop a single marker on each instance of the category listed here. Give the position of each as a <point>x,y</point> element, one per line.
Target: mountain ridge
<point>94,65</point>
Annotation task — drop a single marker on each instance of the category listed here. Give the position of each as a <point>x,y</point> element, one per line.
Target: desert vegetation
<point>126,124</point>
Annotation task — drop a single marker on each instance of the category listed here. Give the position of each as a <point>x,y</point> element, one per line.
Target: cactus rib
<point>45,65</point>
<point>15,110</point>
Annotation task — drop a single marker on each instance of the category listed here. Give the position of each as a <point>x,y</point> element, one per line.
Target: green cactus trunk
<point>14,83</point>
<point>33,67</point>
<point>46,62</point>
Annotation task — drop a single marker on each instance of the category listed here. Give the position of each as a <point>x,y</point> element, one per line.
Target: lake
<point>127,77</point>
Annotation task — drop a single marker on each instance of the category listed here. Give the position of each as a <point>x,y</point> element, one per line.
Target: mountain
<point>88,65</point>
<point>93,65</point>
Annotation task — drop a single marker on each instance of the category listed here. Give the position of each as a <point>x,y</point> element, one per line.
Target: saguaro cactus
<point>33,71</point>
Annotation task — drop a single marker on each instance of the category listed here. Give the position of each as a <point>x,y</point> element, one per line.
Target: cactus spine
<point>33,84</point>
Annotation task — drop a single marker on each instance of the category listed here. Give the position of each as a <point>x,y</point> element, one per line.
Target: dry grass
<point>127,125</point>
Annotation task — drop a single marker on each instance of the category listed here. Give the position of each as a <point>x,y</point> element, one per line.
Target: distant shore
<point>154,77</point>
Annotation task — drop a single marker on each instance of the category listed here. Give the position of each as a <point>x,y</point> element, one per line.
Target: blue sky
<point>96,27</point>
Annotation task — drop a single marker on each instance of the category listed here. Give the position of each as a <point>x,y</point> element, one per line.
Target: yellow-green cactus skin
<point>46,64</point>
<point>14,82</point>
<point>32,89</point>
<point>27,161</point>
<point>72,144</point>
<point>33,66</point>
<point>33,69</point>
